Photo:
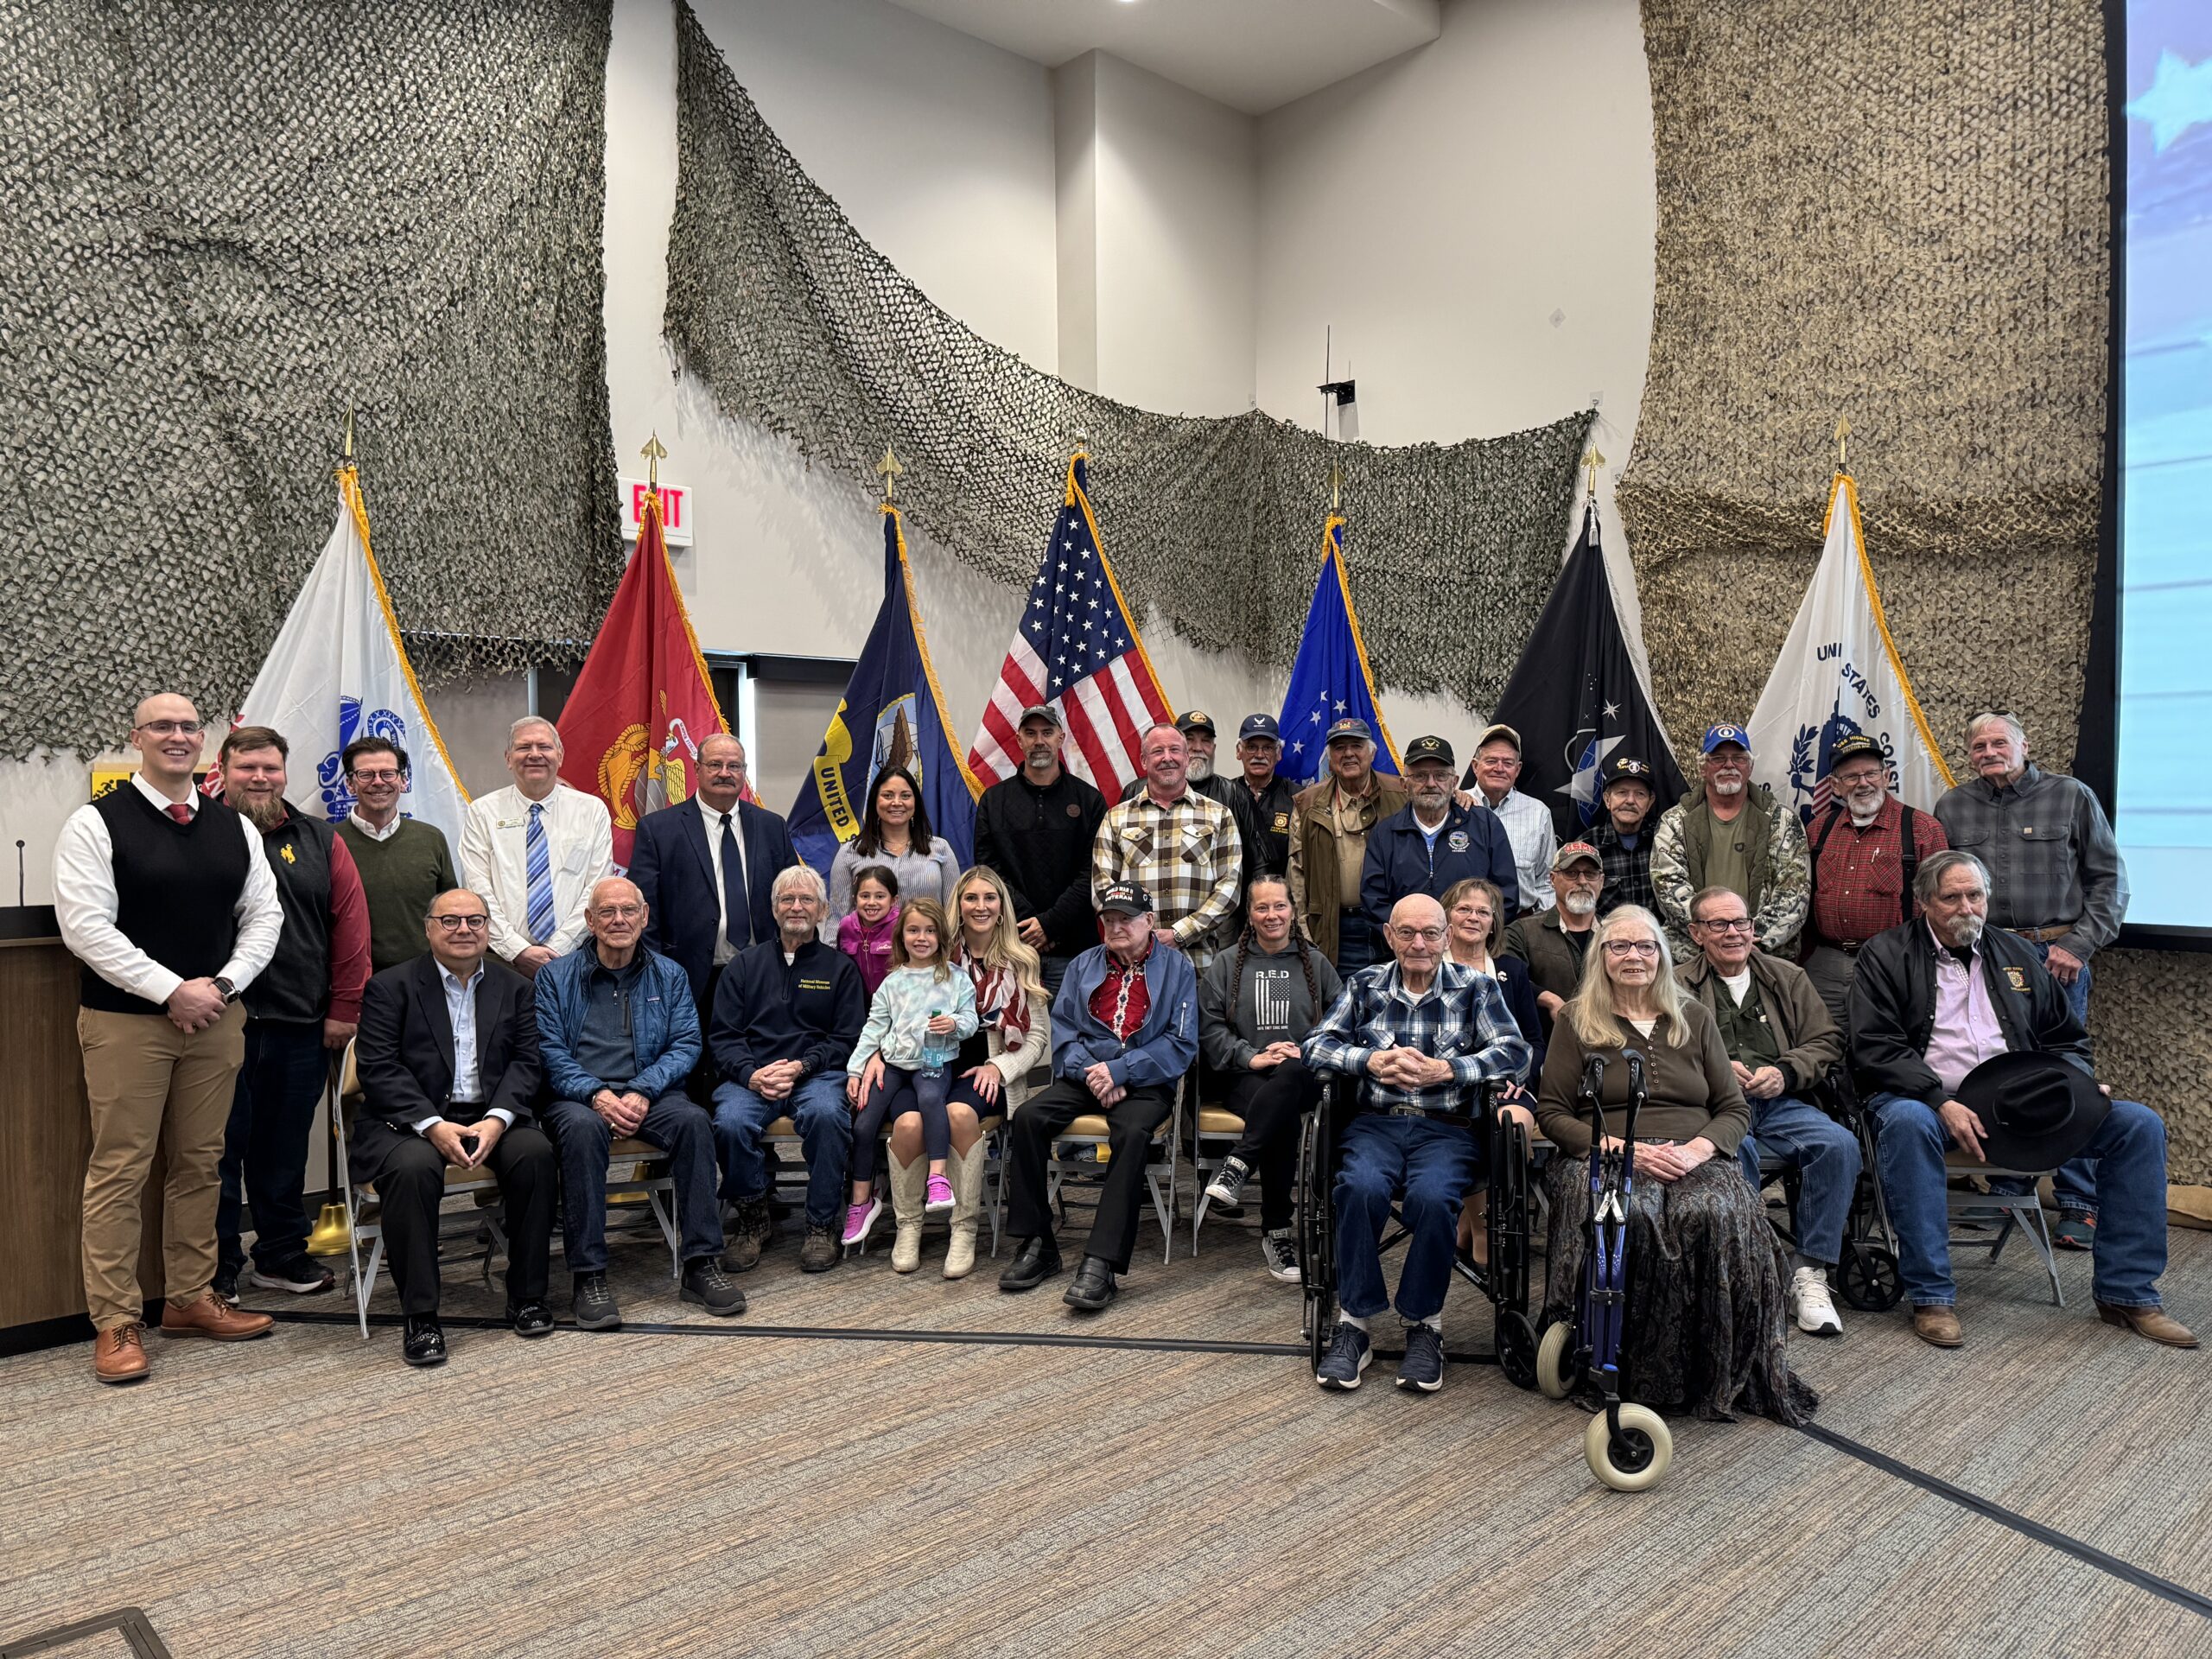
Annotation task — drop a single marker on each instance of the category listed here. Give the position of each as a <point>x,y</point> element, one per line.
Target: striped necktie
<point>538,860</point>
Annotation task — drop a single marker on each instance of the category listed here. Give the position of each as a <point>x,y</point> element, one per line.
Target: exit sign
<point>675,510</point>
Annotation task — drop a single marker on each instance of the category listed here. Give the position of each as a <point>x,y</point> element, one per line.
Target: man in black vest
<point>166,899</point>
<point>305,1004</point>
<point>450,1070</point>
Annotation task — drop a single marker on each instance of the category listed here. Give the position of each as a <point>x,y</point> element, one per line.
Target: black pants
<point>265,1145</point>
<point>1271,1103</point>
<point>1120,1201</point>
<point>409,1177</point>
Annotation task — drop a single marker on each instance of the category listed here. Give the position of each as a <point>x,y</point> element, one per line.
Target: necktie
<point>537,858</point>
<point>740,925</point>
<point>180,811</point>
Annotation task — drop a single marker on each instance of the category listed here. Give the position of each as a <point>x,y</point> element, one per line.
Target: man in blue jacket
<point>1433,840</point>
<point>619,1035</point>
<point>1125,1029</point>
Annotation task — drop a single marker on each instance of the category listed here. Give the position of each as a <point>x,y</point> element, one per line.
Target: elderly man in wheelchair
<point>1417,1038</point>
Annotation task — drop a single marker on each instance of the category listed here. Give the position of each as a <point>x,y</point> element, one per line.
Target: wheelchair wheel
<point>1551,1359</point>
<point>1515,1340</point>
<point>1637,1458</point>
<point>1867,1278</point>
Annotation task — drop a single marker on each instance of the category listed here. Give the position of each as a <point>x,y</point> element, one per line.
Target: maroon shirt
<point>1858,879</point>
<point>1123,998</point>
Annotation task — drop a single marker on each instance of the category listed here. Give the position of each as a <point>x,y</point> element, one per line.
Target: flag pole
<point>333,1234</point>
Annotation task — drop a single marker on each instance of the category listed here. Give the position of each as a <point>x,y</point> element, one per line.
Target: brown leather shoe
<point>119,1356</point>
<point>213,1316</point>
<point>2153,1322</point>
<point>1937,1325</point>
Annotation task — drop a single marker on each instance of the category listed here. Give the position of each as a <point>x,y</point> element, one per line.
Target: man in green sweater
<point>405,863</point>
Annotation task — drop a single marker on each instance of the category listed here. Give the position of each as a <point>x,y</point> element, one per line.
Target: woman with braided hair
<point>1255,1005</point>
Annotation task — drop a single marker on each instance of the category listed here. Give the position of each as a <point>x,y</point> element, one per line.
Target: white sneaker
<point>1810,1302</point>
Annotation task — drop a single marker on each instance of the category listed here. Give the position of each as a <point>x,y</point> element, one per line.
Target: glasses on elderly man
<point>1420,934</point>
<point>1727,924</point>
<point>462,923</point>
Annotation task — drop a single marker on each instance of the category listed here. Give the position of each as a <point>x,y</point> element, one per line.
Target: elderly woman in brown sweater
<point>1707,1308</point>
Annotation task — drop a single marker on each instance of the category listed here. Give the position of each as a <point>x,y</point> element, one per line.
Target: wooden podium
<point>45,1141</point>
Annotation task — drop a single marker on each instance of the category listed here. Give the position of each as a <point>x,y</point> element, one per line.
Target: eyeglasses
<point>1631,947</point>
<point>1727,924</point>
<point>1420,934</point>
<point>382,775</point>
<point>172,728</point>
<point>461,924</point>
<point>712,766</point>
<point>621,912</point>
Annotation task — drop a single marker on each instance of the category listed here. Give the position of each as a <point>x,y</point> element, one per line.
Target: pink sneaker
<point>859,1217</point>
<point>940,1196</point>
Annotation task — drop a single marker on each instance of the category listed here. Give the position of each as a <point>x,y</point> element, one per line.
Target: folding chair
<point>1091,1130</point>
<point>1214,1135</point>
<point>649,1178</point>
<point>2021,1209</point>
<point>994,1147</point>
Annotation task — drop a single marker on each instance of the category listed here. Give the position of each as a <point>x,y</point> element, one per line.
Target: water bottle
<point>933,1057</point>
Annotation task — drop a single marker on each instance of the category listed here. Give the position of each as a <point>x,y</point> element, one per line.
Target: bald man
<point>1419,1036</point>
<point>621,1034</point>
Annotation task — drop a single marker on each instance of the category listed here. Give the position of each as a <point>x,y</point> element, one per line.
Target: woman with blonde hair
<point>1708,1309</point>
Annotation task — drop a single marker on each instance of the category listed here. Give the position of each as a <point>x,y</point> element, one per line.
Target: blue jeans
<point>816,1107</point>
<point>1429,1167</point>
<point>1355,943</point>
<point>2129,1151</point>
<point>1824,1154</point>
<point>266,1147</point>
<point>1054,969</point>
<point>675,1124</point>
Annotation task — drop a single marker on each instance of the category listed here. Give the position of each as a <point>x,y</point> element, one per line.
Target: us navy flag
<point>1575,699</point>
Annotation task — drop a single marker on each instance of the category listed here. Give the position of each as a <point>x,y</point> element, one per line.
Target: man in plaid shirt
<point>1628,790</point>
<point>1420,1034</point>
<point>1180,846</point>
<point>1862,867</point>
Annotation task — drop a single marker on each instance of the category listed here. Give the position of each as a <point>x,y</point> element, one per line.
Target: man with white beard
<point>1864,850</point>
<point>1553,942</point>
<point>1726,832</point>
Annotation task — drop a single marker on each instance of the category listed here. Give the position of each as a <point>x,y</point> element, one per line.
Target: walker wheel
<point>1551,1359</point>
<point>1867,1278</point>
<point>1516,1339</point>
<point>1637,1457</point>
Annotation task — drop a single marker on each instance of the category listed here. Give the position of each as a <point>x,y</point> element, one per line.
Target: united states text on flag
<point>1075,648</point>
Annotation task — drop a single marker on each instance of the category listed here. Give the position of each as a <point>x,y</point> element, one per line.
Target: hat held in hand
<point>2036,1110</point>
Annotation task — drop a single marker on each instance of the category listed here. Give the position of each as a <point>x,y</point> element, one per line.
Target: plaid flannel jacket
<point>1461,1017</point>
<point>1627,875</point>
<point>1188,856</point>
<point>2052,860</point>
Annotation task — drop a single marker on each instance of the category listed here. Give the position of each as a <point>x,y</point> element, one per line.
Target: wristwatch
<point>230,991</point>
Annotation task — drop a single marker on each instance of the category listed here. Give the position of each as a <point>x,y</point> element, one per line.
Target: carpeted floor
<point>711,1491</point>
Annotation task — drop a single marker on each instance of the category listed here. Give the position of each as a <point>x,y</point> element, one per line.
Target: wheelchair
<point>1504,1282</point>
<point>1629,1446</point>
<point>1866,1277</point>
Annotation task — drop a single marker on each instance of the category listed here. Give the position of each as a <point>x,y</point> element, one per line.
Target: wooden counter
<point>45,1141</point>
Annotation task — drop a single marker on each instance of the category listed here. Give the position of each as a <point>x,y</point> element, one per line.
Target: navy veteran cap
<point>1125,899</point>
<point>1856,747</point>
<point>1259,726</point>
<point>1725,733</point>
<point>1429,748</point>
<point>1351,727</point>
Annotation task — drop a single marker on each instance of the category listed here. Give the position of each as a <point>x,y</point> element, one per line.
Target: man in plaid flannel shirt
<point>1628,790</point>
<point>1180,846</point>
<point>1420,1034</point>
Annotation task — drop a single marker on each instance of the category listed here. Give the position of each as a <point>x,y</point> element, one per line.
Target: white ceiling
<point>1250,54</point>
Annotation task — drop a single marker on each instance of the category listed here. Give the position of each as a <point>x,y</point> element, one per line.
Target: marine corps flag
<point>631,730</point>
<point>1839,674</point>
<point>1575,699</point>
<point>892,716</point>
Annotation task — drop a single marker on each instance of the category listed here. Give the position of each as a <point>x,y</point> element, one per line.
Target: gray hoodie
<point>1269,1002</point>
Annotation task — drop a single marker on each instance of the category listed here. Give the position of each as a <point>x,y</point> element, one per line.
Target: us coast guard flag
<point>1839,674</point>
<point>892,716</point>
<point>338,671</point>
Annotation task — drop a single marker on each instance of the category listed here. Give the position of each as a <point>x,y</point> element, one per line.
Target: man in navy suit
<point>705,867</point>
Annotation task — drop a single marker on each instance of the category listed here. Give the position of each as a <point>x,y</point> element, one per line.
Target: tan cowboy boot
<point>966,1170</point>
<point>910,1186</point>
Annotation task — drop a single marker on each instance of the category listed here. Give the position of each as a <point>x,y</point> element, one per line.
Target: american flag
<point>1078,650</point>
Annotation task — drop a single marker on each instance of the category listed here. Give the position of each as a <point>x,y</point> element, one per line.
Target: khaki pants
<point>150,1085</point>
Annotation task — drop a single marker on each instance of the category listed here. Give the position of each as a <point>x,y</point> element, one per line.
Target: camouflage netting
<point>222,223</point>
<point>792,320</point>
<point>1896,214</point>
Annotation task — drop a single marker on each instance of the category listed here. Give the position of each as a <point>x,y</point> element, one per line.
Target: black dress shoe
<point>423,1342</point>
<point>1094,1285</point>
<point>529,1319</point>
<point>1038,1259</point>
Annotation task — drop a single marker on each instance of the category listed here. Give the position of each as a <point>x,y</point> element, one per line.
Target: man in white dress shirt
<point>1526,821</point>
<point>533,850</point>
<point>166,899</point>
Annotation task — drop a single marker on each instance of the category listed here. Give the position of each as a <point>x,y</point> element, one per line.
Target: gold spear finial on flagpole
<point>888,469</point>
<point>348,455</point>
<point>1592,460</point>
<point>1336,489</point>
<point>654,455</point>
<point>1842,443</point>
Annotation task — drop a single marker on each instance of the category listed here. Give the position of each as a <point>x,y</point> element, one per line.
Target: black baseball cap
<point>1626,769</point>
<point>1195,720</point>
<point>1430,748</point>
<point>1125,899</point>
<point>1856,747</point>
<point>1259,726</point>
<point>1350,727</point>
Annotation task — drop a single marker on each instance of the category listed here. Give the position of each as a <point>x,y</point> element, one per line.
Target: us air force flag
<point>892,716</point>
<point>1575,699</point>
<point>1330,680</point>
<point>339,671</point>
<point>1839,674</point>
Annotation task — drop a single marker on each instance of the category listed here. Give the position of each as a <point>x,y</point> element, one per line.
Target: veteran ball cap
<point>1259,726</point>
<point>1856,747</point>
<point>1626,769</point>
<point>1725,733</point>
<point>1430,748</point>
<point>1125,899</point>
<point>1195,720</point>
<point>1350,727</point>
<point>1043,711</point>
<point>1577,852</point>
<point>1497,732</point>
